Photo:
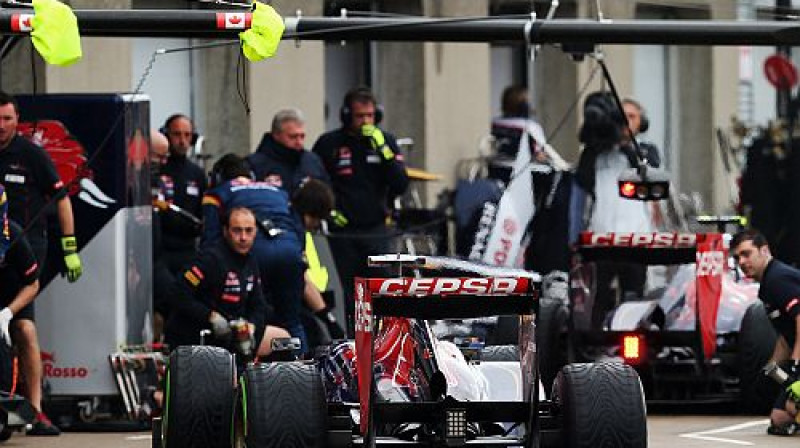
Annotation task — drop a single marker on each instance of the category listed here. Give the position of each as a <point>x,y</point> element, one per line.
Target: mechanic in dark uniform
<point>281,159</point>
<point>184,184</point>
<point>780,291</point>
<point>19,275</point>
<point>278,246</point>
<point>32,185</point>
<point>162,277</point>
<point>221,285</point>
<point>367,172</point>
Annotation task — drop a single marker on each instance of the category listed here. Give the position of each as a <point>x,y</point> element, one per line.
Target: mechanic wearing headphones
<point>607,153</point>
<point>278,246</point>
<point>638,123</point>
<point>779,290</point>
<point>31,181</point>
<point>367,172</point>
<point>183,184</point>
<point>281,158</point>
<point>221,285</point>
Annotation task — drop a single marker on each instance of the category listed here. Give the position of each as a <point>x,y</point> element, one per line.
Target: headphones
<point>165,129</point>
<point>361,95</point>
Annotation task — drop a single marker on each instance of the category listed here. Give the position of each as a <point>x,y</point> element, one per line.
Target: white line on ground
<point>705,435</point>
<point>141,437</point>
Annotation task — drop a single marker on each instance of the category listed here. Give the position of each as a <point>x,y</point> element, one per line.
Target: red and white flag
<point>234,20</point>
<point>21,22</point>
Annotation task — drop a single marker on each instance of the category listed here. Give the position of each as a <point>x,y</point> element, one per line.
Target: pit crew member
<point>780,292</point>
<point>222,284</point>
<point>278,245</point>
<point>367,172</point>
<point>31,182</point>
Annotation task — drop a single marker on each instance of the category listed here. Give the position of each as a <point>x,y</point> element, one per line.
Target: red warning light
<point>632,348</point>
<point>627,189</point>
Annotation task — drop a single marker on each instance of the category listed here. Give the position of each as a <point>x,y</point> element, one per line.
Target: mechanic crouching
<point>222,285</point>
<point>779,290</point>
<point>278,248</point>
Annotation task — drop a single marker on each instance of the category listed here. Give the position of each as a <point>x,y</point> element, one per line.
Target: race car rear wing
<point>646,248</point>
<point>432,298</point>
<point>448,298</point>
<point>707,250</point>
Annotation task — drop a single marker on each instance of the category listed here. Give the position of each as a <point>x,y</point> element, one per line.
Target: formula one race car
<point>714,355</point>
<point>397,383</point>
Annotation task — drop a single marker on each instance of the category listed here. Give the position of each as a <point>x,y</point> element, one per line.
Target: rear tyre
<point>285,405</point>
<point>757,340</point>
<point>551,340</point>
<point>498,353</point>
<point>199,394</point>
<point>600,405</point>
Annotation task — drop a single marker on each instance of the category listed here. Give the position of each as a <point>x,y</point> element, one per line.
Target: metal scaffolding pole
<point>220,25</point>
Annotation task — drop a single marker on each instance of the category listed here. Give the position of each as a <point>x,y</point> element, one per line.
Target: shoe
<point>782,430</point>
<point>42,426</point>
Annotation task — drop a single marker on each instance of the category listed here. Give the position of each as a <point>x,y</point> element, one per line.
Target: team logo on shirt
<point>232,279</point>
<point>192,189</point>
<point>191,278</point>
<point>344,161</point>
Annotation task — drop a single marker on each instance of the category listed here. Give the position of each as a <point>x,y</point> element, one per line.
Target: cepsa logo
<point>51,371</point>
<point>647,240</point>
<point>445,286</point>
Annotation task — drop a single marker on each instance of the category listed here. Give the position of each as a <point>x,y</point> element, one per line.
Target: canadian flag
<point>21,22</point>
<point>234,20</point>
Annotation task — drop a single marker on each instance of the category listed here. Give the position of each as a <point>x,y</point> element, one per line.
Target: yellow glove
<point>262,39</point>
<point>377,140</point>
<point>339,220</point>
<point>71,259</point>
<point>55,32</point>
<point>794,390</point>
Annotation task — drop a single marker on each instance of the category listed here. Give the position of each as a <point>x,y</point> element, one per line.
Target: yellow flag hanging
<point>55,32</point>
<point>266,29</point>
<point>316,271</point>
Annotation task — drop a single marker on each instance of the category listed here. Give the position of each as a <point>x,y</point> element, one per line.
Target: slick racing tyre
<point>199,398</point>
<point>600,405</point>
<point>497,353</point>
<point>284,405</point>
<point>551,340</point>
<point>757,340</point>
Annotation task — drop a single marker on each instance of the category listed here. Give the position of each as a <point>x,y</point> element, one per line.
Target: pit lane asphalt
<point>665,431</point>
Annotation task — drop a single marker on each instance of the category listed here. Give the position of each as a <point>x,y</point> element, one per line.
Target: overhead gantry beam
<point>226,25</point>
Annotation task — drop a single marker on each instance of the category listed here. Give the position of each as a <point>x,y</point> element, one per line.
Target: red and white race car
<point>697,334</point>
